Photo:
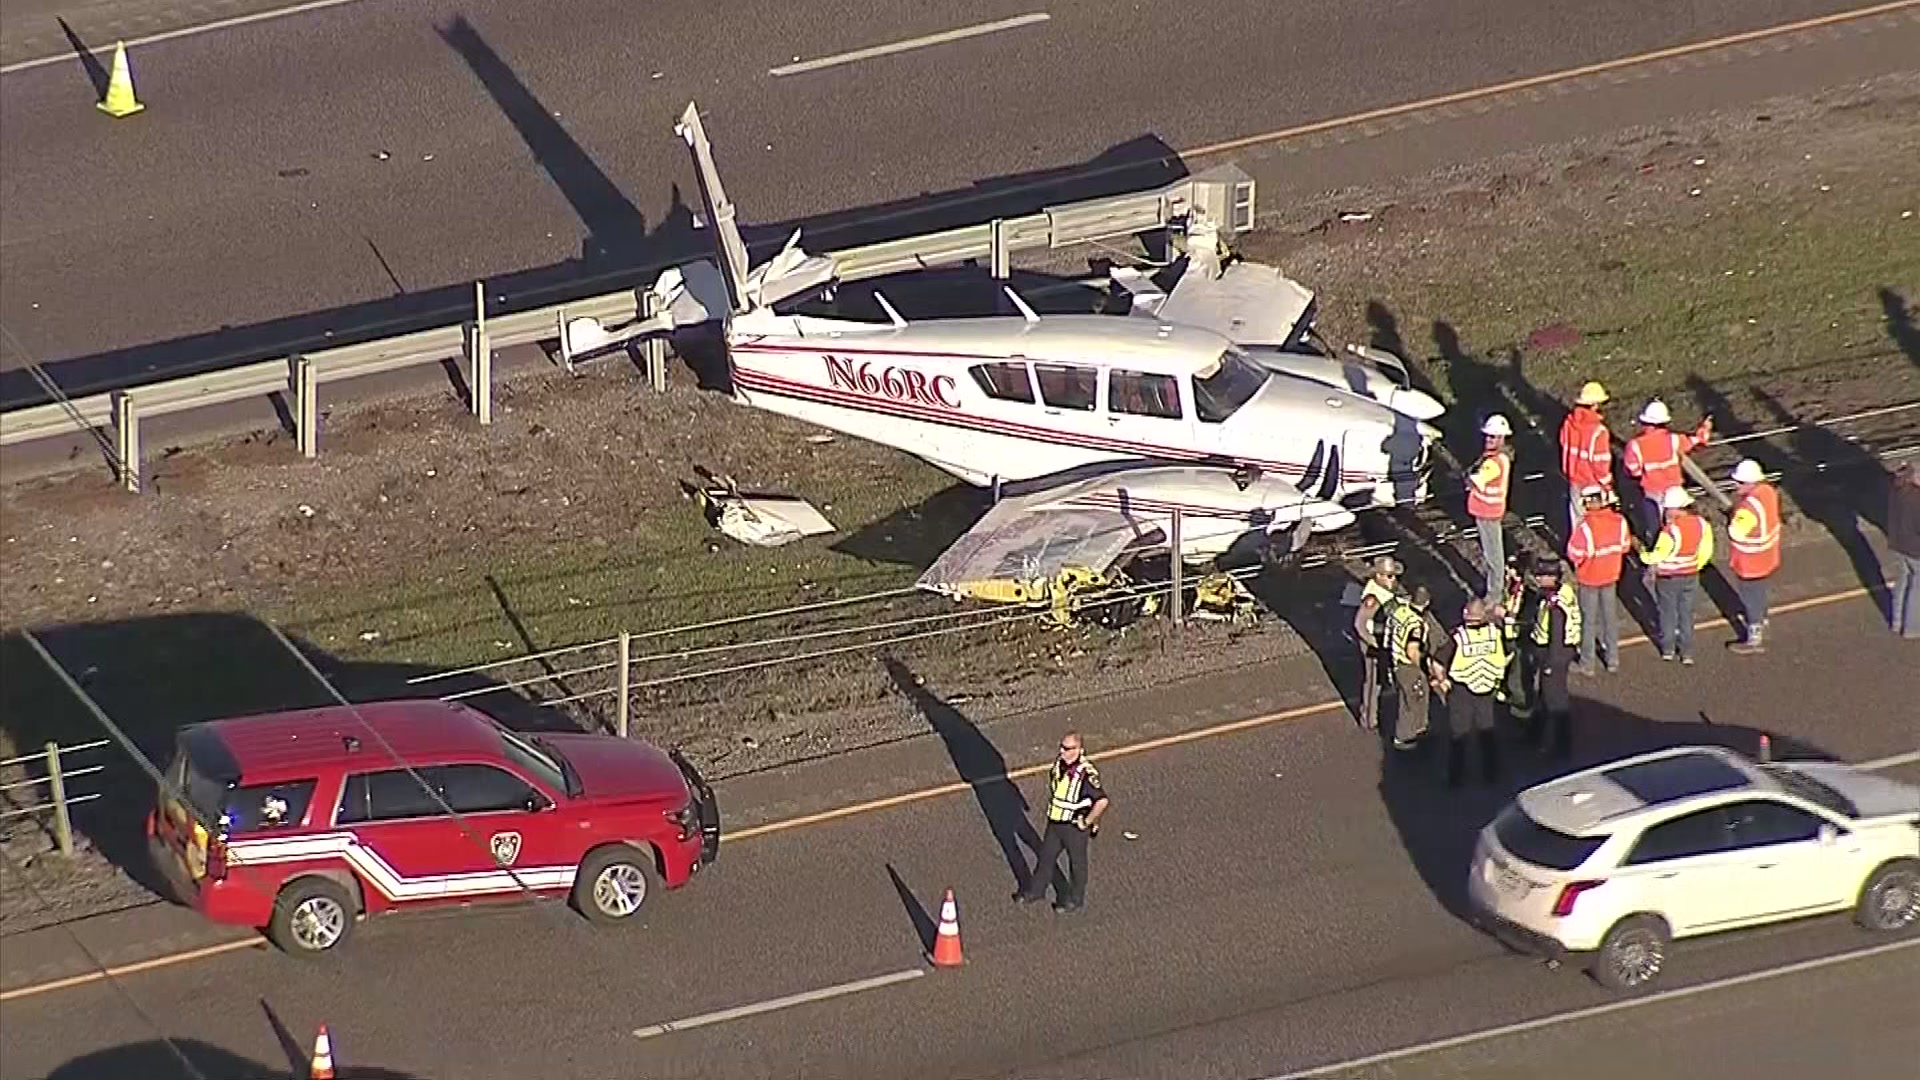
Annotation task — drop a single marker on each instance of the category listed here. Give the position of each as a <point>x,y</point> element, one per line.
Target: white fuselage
<point>1009,399</point>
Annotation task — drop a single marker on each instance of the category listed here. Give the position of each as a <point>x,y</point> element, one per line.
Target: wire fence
<point>42,794</point>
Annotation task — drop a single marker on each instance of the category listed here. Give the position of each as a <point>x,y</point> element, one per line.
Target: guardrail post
<point>1000,258</point>
<point>62,825</point>
<point>126,440</point>
<point>480,358</point>
<point>654,348</point>
<point>306,406</point>
<point>621,711</point>
<point>1179,573</point>
<point>560,328</point>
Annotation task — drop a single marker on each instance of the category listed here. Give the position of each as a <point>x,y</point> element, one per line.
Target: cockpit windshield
<point>1232,383</point>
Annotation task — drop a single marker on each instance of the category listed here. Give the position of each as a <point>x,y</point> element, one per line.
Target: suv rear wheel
<point>1890,900</point>
<point>312,916</point>
<point>1632,954</point>
<point>613,883</point>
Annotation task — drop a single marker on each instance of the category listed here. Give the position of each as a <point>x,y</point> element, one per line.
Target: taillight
<point>686,818</point>
<point>217,859</point>
<point>1570,892</point>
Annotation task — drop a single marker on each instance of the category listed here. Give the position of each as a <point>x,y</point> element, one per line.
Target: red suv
<point>298,822</point>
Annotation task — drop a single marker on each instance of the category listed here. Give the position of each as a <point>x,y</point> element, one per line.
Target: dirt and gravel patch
<point>1761,265</point>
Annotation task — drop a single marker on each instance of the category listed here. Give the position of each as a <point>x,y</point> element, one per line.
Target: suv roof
<point>1579,803</point>
<point>271,745</point>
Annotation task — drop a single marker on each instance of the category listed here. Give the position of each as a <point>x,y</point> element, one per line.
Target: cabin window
<point>1141,393</point>
<point>1004,381</point>
<point>1232,383</point>
<point>1064,386</point>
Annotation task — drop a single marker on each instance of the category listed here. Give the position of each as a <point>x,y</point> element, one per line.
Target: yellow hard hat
<point>1593,394</point>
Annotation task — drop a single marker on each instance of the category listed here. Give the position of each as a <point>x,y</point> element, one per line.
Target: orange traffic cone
<point>322,1057</point>
<point>946,943</point>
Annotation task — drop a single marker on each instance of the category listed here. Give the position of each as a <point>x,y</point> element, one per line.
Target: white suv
<point>1617,861</point>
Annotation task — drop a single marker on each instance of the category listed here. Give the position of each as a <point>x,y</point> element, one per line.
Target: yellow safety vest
<point>1066,800</point>
<point>1402,625</point>
<point>1566,600</point>
<point>1479,658</point>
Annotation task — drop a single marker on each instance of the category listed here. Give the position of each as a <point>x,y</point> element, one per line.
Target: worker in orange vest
<point>1753,541</point>
<point>1684,548</point>
<point>1487,485</point>
<point>1653,457</point>
<point>1598,553</point>
<point>1586,450</point>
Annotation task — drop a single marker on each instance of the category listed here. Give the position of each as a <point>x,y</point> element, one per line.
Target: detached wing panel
<point>1018,542</point>
<point>1249,303</point>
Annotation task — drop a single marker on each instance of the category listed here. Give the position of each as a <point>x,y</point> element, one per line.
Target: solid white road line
<point>723,1015</point>
<point>185,31</point>
<point>1893,762</point>
<point>1598,1010</point>
<point>940,38</point>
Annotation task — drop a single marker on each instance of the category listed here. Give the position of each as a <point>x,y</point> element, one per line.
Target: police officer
<point>1414,668</point>
<point>1380,592</point>
<point>1555,641</point>
<point>1480,661</point>
<point>1511,611</point>
<point>1075,802</point>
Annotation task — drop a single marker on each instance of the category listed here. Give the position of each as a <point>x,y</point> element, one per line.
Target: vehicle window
<point>1139,393</point>
<point>533,759</point>
<point>478,789</point>
<point>1702,832</point>
<point>1533,842</point>
<point>202,772</point>
<point>1232,384</point>
<point>1004,381</point>
<point>388,795</point>
<point>263,807</point>
<point>1763,822</point>
<point>1812,790</point>
<point>1066,387</point>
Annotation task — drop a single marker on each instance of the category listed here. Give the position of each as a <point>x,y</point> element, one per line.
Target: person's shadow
<point>982,767</point>
<point>1439,826</point>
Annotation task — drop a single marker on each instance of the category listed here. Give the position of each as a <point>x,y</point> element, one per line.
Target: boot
<point>1755,642</point>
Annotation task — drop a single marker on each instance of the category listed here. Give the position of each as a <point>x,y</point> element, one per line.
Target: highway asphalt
<point>1275,898</point>
<point>368,154</point>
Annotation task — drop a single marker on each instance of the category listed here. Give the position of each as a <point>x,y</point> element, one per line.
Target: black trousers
<point>1061,835</point>
<point>1552,721</point>
<point>1470,716</point>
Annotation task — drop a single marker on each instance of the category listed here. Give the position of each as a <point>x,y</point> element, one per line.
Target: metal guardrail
<point>54,777</point>
<point>1224,194</point>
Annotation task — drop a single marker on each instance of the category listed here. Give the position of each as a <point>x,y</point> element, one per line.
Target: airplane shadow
<point>916,535</point>
<point>157,1058</point>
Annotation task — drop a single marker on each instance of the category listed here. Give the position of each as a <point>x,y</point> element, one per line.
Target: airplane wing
<point>1248,303</point>
<point>1090,524</point>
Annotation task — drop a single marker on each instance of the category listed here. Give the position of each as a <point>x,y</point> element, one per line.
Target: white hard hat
<point>1656,413</point>
<point>1749,472</point>
<point>1496,425</point>
<point>1675,498</point>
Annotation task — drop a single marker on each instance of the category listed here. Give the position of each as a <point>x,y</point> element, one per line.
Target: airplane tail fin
<point>791,272</point>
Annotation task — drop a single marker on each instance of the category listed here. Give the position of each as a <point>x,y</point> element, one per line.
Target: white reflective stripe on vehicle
<point>391,883</point>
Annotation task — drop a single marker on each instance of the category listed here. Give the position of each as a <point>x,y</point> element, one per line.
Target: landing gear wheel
<point>613,883</point>
<point>1890,900</point>
<point>312,917</point>
<point>1632,955</point>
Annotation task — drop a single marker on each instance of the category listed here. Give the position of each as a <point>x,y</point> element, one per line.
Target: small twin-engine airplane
<point>1091,429</point>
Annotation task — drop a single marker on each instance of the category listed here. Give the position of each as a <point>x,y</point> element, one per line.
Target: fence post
<point>654,347</point>
<point>306,407</point>
<point>620,712</point>
<point>62,825</point>
<point>126,440</point>
<point>480,360</point>
<point>1179,573</point>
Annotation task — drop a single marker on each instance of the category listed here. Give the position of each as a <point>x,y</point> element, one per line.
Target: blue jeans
<point>1753,604</point>
<point>1906,595</point>
<point>1674,596</point>
<point>1599,624</point>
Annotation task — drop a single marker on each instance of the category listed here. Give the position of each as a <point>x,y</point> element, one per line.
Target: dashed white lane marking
<point>774,1004</point>
<point>185,31</point>
<point>941,38</point>
<point>1598,1010</point>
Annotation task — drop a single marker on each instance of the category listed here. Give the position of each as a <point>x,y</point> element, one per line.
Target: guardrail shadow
<point>620,250</point>
<point>1439,826</point>
<point>157,1058</point>
<point>154,676</point>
